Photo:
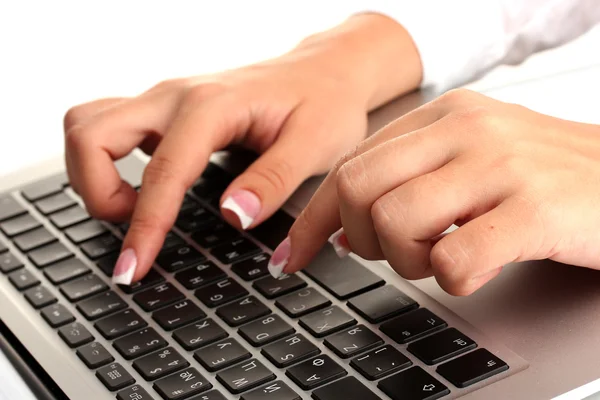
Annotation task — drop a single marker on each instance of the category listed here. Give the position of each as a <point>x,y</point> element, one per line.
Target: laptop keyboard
<point>211,293</point>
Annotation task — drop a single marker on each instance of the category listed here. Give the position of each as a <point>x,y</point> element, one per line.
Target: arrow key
<point>413,384</point>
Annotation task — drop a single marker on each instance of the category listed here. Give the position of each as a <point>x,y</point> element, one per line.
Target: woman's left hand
<point>520,185</point>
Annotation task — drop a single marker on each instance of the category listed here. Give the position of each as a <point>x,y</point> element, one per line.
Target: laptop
<point>209,323</point>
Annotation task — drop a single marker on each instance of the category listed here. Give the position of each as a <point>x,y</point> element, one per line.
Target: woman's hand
<point>520,186</point>
<point>301,111</point>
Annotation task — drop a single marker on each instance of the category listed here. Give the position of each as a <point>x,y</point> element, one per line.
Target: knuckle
<point>279,175</point>
<point>456,96</point>
<point>169,84</point>
<point>73,117</point>
<point>350,182</point>
<point>201,92</point>
<point>448,261</point>
<point>76,137</point>
<point>162,171</point>
<point>382,216</point>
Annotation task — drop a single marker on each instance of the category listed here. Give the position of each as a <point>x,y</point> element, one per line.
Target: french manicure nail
<point>339,240</point>
<point>125,268</point>
<point>280,258</point>
<point>244,204</point>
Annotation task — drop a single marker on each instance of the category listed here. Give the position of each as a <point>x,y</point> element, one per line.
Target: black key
<point>94,355</point>
<point>81,288</point>
<point>85,231</point>
<point>289,351</point>
<point>49,254</point>
<point>171,240</point>
<point>302,302</point>
<point>75,335</point>
<point>158,296</point>
<point>199,275</point>
<point>44,188</point>
<point>10,208</point>
<point>114,377</point>
<point>277,390</point>
<point>245,376</point>
<point>199,334</point>
<point>39,297</point>
<point>35,238</point>
<point>123,227</point>
<point>380,362</point>
<point>107,263</point>
<point>152,278</point>
<point>220,292</point>
<point>66,270</point>
<point>272,288</point>
<point>221,355</point>
<point>326,322</point>
<point>197,218</point>
<point>381,304</point>
<point>179,257</point>
<point>413,384</point>
<point>135,392</point>
<point>315,372</point>
<point>18,225</point>
<point>344,278</point>
<point>139,343</point>
<point>187,205</point>
<point>266,330</point>
<point>274,230</point>
<point>353,341</point>
<point>101,246</point>
<point>178,314</point>
<point>413,325</point>
<point>212,395</point>
<point>120,324</point>
<point>182,385</point>
<point>159,364</point>
<point>240,312</point>
<point>101,305</point>
<point>209,190</point>
<point>57,315</point>
<point>68,217</point>
<point>54,203</point>
<point>9,263</point>
<point>219,232</point>
<point>23,279</point>
<point>253,268</point>
<point>234,251</point>
<point>347,388</point>
<point>472,368</point>
<point>442,346</point>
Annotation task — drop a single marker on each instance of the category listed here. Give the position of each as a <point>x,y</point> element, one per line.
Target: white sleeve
<point>460,40</point>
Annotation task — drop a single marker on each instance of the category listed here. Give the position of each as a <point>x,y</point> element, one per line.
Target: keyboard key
<point>212,395</point>
<point>114,377</point>
<point>75,335</point>
<point>135,392</point>
<point>139,343</point>
<point>472,368</point>
<point>245,376</point>
<point>325,322</point>
<point>380,362</point>
<point>289,351</point>
<point>277,390</point>
<point>18,225</point>
<point>153,277</point>
<point>10,208</point>
<point>347,388</point>
<point>85,231</point>
<point>234,251</point>
<point>182,385</point>
<point>315,372</point>
<point>353,341</point>
<point>39,297</point>
<point>94,355</point>
<point>252,268</point>
<point>57,315</point>
<point>240,312</point>
<point>188,204</point>
<point>101,305</point>
<point>49,254</point>
<point>44,188</point>
<point>81,288</point>
<point>382,304</point>
<point>209,190</point>
<point>302,302</point>
<point>101,246</point>
<point>272,288</point>
<point>158,296</point>
<point>54,203</point>
<point>211,236</point>
<point>266,330</point>
<point>199,334</point>
<point>199,275</point>
<point>23,279</point>
<point>178,314</point>
<point>9,263</point>
<point>441,346</point>
<point>220,292</point>
<point>414,383</point>
<point>3,247</point>
<point>412,326</point>
<point>179,257</point>
<point>344,278</point>
<point>66,270</point>
<point>171,240</point>
<point>221,355</point>
<point>159,364</point>
<point>274,230</point>
<point>68,217</point>
<point>195,219</point>
<point>35,238</point>
<point>120,324</point>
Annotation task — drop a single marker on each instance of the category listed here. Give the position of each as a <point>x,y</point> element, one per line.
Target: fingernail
<point>244,204</point>
<point>339,240</point>
<point>125,268</point>
<point>280,258</point>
